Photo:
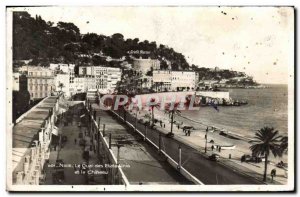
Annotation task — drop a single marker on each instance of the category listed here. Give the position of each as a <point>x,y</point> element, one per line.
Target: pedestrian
<point>75,140</point>
<point>164,125</point>
<point>243,158</point>
<point>219,148</point>
<point>273,174</point>
<point>212,147</point>
<point>189,132</point>
<point>178,126</point>
<point>160,122</point>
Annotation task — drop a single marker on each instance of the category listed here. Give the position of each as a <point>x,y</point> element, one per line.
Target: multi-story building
<point>183,80</point>
<point>162,80</point>
<point>165,80</point>
<point>32,134</point>
<point>145,82</point>
<point>64,69</point>
<point>79,85</point>
<point>100,74</point>
<point>113,77</point>
<point>40,82</point>
<point>106,78</point>
<point>89,83</point>
<point>145,65</point>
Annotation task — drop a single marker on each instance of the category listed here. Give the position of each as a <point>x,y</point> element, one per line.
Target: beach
<point>267,107</point>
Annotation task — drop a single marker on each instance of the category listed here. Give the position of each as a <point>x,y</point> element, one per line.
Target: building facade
<point>162,80</point>
<point>40,82</point>
<point>145,65</point>
<point>166,80</point>
<point>64,69</point>
<point>105,78</point>
<point>62,83</point>
<point>32,135</point>
<point>183,80</point>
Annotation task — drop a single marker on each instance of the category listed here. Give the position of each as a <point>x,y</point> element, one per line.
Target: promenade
<point>143,165</point>
<point>196,144</point>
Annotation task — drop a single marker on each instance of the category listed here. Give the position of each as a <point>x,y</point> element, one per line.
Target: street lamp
<point>206,139</point>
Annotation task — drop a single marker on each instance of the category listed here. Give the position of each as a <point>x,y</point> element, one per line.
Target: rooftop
<point>26,131</point>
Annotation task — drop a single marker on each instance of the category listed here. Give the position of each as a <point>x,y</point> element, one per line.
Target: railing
<point>118,177</point>
<point>171,161</point>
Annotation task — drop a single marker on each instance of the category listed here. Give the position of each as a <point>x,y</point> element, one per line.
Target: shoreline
<point>242,143</point>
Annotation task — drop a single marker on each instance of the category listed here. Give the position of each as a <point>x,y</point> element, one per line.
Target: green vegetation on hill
<point>44,42</point>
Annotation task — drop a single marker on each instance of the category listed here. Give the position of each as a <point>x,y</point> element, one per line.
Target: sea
<point>266,107</point>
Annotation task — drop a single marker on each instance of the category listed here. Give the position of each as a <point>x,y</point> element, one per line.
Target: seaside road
<point>145,165</point>
<point>207,171</point>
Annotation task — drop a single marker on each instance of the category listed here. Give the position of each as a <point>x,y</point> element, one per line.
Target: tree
<point>284,144</point>
<point>152,106</point>
<point>173,111</point>
<point>266,141</point>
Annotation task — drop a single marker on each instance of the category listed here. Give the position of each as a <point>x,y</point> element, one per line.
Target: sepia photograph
<point>142,98</point>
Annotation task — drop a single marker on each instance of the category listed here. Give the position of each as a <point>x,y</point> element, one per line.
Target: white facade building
<point>79,85</point>
<point>40,82</point>
<point>162,80</point>
<point>183,80</point>
<point>165,80</point>
<point>105,78</point>
<point>65,69</point>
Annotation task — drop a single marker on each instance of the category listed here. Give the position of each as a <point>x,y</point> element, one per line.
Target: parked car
<point>170,135</point>
<point>255,159</point>
<point>214,157</point>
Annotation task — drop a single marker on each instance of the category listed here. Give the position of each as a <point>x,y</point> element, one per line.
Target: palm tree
<point>266,140</point>
<point>172,112</point>
<point>129,101</point>
<point>284,144</point>
<point>152,106</point>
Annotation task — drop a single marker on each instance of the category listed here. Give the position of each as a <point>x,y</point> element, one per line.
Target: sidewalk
<point>142,163</point>
<point>71,154</point>
<point>197,141</point>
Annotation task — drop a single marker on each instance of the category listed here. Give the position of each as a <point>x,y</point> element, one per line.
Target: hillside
<point>46,42</point>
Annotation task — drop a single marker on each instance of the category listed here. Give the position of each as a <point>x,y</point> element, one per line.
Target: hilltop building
<point>145,65</point>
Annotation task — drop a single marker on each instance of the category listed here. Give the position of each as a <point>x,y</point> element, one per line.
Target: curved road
<point>207,171</point>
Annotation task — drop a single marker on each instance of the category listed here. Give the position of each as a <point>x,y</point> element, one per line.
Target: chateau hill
<point>45,43</point>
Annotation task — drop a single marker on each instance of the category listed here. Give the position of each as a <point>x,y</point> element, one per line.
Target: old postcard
<point>150,98</point>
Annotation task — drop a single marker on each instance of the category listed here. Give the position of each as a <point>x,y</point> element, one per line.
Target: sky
<point>255,40</point>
